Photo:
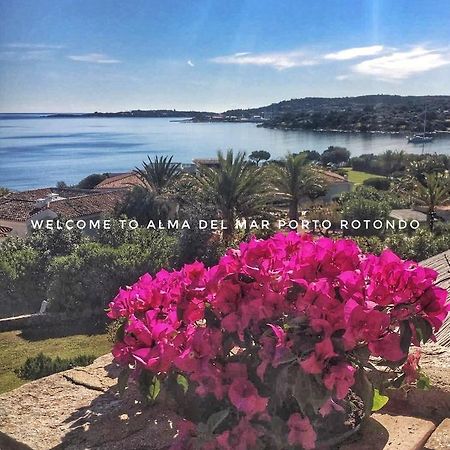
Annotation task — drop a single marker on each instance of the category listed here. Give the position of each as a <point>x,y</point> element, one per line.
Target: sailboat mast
<point>424,128</point>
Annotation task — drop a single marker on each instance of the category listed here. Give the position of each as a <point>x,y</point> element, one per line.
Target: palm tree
<point>235,187</point>
<point>155,197</point>
<point>294,179</point>
<point>433,191</point>
<point>159,175</point>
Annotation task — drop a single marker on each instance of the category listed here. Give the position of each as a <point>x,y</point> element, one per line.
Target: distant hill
<point>389,113</point>
<point>366,113</point>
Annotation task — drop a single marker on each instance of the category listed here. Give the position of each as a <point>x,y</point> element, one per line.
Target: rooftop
<point>21,206</point>
<point>123,180</point>
<point>331,177</point>
<point>408,214</point>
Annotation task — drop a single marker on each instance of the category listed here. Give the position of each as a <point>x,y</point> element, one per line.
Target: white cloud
<point>342,77</point>
<point>277,60</point>
<point>28,55</point>
<point>96,58</point>
<point>190,63</point>
<point>401,65</point>
<point>356,52</point>
<point>28,46</point>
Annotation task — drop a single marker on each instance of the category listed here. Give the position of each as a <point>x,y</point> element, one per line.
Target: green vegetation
<point>92,180</point>
<point>42,365</point>
<point>432,190</point>
<point>358,177</point>
<point>259,155</point>
<point>335,155</point>
<point>294,179</point>
<point>90,277</point>
<point>14,351</point>
<point>159,175</point>
<point>387,113</point>
<point>235,188</point>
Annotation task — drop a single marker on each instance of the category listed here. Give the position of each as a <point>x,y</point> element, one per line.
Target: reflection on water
<point>37,152</point>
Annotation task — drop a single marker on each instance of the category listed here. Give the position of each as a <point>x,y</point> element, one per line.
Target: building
<point>17,210</point>
<point>336,184</point>
<point>408,215</point>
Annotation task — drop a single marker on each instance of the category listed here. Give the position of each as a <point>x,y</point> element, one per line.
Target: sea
<point>37,151</point>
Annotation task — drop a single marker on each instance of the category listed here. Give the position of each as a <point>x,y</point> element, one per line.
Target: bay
<point>39,152</point>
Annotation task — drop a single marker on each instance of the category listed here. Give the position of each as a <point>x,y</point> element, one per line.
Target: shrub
<point>87,278</point>
<point>41,365</point>
<point>382,184</point>
<point>92,180</point>
<point>362,209</point>
<point>270,348</point>
<point>22,278</point>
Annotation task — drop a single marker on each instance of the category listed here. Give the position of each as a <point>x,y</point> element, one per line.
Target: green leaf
<point>183,382</point>
<point>122,380</point>
<point>216,419</point>
<point>423,329</point>
<point>405,336</point>
<point>154,389</point>
<point>423,382</point>
<point>363,387</point>
<point>378,400</point>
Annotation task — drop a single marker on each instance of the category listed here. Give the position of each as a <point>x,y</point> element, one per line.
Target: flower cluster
<point>272,335</point>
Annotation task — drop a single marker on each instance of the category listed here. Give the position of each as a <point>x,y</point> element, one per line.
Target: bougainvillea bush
<point>272,347</point>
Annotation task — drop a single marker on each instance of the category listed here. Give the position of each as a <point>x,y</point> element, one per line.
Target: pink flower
<point>340,378</point>
<point>411,367</point>
<point>388,347</point>
<point>209,379</point>
<point>364,324</point>
<point>329,406</point>
<point>241,437</point>
<point>244,396</point>
<point>316,361</point>
<point>301,432</point>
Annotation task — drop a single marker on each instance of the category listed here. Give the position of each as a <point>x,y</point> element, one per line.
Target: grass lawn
<point>14,350</point>
<point>357,177</point>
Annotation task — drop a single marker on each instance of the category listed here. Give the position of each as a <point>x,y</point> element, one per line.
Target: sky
<point>108,55</point>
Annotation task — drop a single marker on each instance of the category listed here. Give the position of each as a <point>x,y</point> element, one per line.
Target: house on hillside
<point>17,210</point>
<point>336,184</point>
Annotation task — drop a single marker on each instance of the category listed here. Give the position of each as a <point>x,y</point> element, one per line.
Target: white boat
<point>421,138</point>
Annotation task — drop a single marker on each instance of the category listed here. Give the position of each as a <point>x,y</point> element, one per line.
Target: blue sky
<point>107,55</point>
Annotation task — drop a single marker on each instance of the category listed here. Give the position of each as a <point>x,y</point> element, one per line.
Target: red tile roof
<point>331,177</point>
<point>21,206</point>
<point>124,180</point>
<point>87,205</point>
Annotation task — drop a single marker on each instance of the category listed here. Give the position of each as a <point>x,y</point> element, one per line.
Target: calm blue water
<point>38,152</point>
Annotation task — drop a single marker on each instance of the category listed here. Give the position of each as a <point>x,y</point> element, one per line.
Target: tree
<point>392,161</point>
<point>311,155</point>
<point>159,175</point>
<point>259,155</point>
<point>236,188</point>
<point>145,205</point>
<point>433,191</point>
<point>294,179</point>
<point>91,181</point>
<point>335,155</point>
<point>155,198</point>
